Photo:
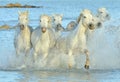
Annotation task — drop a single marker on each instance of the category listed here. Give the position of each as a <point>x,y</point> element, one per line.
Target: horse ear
<point>61,15</point>
<point>27,12</point>
<point>79,18</point>
<point>19,12</point>
<point>50,18</point>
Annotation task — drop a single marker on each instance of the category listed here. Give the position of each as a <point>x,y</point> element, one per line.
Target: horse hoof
<point>86,66</point>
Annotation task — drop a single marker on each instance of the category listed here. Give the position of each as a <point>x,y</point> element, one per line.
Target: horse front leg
<point>35,55</point>
<point>27,51</point>
<point>71,61</point>
<point>45,56</point>
<point>44,59</point>
<point>17,52</point>
<point>87,63</point>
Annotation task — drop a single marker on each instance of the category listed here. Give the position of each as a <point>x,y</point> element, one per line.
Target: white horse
<point>103,15</point>
<point>76,40</point>
<point>57,24</point>
<point>73,24</point>
<point>22,40</point>
<point>43,38</point>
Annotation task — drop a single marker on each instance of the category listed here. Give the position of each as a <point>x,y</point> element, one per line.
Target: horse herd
<point>50,35</point>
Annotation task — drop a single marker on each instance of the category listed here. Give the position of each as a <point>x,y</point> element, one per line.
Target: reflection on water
<point>61,76</point>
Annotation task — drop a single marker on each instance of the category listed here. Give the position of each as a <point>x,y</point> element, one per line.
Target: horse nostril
<point>107,15</point>
<point>59,25</point>
<point>91,26</point>
<point>99,24</point>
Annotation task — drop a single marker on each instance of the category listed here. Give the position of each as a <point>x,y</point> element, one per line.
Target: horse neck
<point>50,25</point>
<point>81,29</point>
<point>55,25</point>
<point>26,26</point>
<point>44,36</point>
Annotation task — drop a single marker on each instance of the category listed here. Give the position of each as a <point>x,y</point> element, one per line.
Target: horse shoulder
<point>35,36</point>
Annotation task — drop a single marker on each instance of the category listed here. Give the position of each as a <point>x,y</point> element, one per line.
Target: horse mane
<point>79,18</point>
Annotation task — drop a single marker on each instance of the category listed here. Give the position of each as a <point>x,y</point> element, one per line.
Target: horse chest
<point>79,41</point>
<point>25,36</point>
<point>43,42</point>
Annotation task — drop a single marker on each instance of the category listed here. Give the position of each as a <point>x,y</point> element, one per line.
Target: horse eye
<point>84,16</point>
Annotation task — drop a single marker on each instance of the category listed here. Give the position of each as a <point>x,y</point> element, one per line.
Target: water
<point>104,46</point>
<point>61,76</point>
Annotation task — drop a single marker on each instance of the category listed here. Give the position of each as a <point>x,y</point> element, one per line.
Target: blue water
<point>105,57</point>
<point>61,76</point>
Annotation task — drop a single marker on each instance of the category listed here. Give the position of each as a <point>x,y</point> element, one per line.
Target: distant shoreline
<point>22,7</point>
<point>18,5</point>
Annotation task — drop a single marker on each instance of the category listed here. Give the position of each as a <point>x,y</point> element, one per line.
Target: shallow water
<point>104,46</point>
<point>61,76</point>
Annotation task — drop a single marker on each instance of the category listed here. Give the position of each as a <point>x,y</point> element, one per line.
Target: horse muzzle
<point>43,29</point>
<point>91,26</point>
<point>22,27</point>
<point>59,28</point>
